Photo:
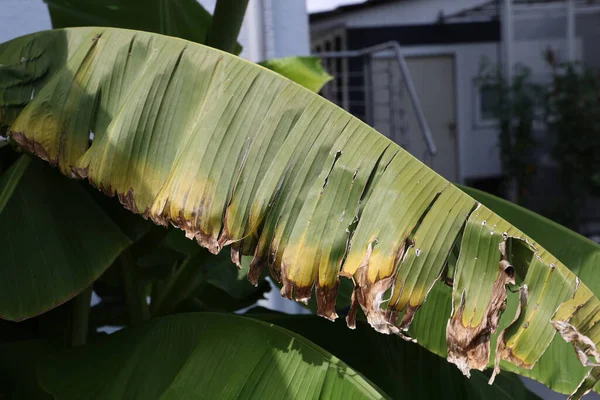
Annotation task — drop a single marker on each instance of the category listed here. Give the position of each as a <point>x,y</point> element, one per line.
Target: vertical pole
<point>368,89</point>
<point>508,39</point>
<point>571,30</point>
<point>256,39</point>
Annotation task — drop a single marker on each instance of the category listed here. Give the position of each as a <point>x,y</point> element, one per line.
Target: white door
<point>434,81</point>
<point>393,113</point>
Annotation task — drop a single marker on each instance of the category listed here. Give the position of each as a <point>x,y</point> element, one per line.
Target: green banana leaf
<point>558,368</point>
<point>55,240</point>
<point>234,154</point>
<point>186,19</point>
<point>578,252</point>
<point>212,356</point>
<point>18,377</point>
<point>401,369</point>
<point>307,71</point>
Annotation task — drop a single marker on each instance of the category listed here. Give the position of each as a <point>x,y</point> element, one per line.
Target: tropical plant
<point>234,154</point>
<point>571,103</point>
<point>573,116</point>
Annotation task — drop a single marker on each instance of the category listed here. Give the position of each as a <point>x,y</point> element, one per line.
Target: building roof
<point>350,7</point>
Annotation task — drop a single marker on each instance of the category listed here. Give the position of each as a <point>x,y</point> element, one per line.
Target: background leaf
<point>214,356</point>
<point>401,369</point>
<point>185,19</point>
<point>18,377</point>
<point>306,71</point>
<point>56,241</point>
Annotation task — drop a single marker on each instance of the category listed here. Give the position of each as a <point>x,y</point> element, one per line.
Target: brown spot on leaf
<point>188,226</point>
<point>370,297</point>
<point>236,256</point>
<point>32,147</point>
<point>584,346</point>
<point>287,289</point>
<point>256,268</point>
<point>503,352</point>
<point>302,293</point>
<point>207,241</point>
<point>351,317</point>
<point>225,237</point>
<point>161,218</point>
<point>128,201</point>
<point>408,317</point>
<point>469,346</point>
<point>326,300</point>
<point>290,290</point>
<point>80,172</point>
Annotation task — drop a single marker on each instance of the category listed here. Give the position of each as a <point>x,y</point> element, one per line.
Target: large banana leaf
<point>202,356</point>
<point>232,153</point>
<point>55,240</point>
<point>18,377</point>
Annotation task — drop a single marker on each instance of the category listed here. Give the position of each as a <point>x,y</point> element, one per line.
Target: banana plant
<point>236,155</point>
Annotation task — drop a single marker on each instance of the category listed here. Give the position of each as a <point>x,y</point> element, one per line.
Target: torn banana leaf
<point>234,154</point>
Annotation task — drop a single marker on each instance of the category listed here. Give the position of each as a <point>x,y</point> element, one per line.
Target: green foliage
<point>573,113</point>
<point>307,71</point>
<point>186,19</point>
<point>56,240</point>
<point>401,369</point>
<point>566,109</point>
<point>214,356</point>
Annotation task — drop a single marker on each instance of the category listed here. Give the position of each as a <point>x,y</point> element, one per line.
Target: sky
<point>325,5</point>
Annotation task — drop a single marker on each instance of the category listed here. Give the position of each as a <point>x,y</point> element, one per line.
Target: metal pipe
<point>412,92</point>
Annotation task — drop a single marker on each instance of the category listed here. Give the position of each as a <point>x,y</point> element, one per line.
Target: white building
<point>444,43</point>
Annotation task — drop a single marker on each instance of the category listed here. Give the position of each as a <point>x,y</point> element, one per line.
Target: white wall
<point>290,28</point>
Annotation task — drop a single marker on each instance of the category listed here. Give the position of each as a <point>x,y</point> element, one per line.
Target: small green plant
<point>516,111</point>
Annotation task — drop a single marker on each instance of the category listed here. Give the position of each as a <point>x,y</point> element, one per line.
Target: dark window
<point>489,99</point>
